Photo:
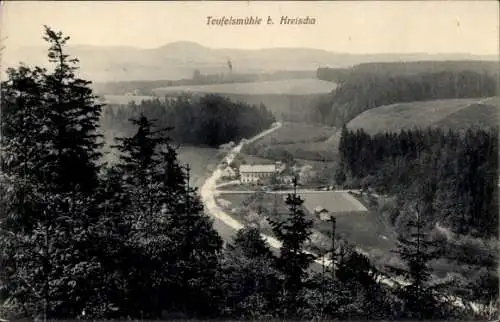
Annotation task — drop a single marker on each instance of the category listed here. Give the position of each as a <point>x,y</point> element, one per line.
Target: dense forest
<point>361,91</point>
<point>208,120</point>
<point>451,176</point>
<point>460,169</point>
<point>339,75</point>
<point>85,240</point>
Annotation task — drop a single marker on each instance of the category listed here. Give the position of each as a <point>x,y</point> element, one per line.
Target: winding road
<point>227,226</point>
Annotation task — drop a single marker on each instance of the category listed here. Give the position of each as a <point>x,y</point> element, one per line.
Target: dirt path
<point>227,226</point>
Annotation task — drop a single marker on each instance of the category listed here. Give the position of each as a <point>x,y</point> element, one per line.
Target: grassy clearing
<point>395,117</point>
<point>475,115</point>
<point>125,99</point>
<point>288,86</point>
<point>446,113</point>
<point>291,133</point>
<point>333,201</point>
<point>312,151</point>
<point>253,159</point>
<point>303,141</point>
<point>364,229</point>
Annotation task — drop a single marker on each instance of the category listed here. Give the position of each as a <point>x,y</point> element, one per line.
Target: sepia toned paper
<point>249,160</point>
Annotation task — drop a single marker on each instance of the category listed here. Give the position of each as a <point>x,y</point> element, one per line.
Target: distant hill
<point>178,60</point>
<point>447,113</point>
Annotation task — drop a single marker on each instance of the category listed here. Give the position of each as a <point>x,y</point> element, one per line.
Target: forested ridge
<point>208,120</point>
<point>452,176</point>
<point>361,91</point>
<point>339,75</point>
<point>85,240</point>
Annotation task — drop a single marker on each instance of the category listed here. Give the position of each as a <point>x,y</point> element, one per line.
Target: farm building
<point>257,172</point>
<point>322,213</point>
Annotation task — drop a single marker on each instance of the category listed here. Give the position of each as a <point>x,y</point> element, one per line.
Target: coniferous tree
<point>293,232</point>
<point>48,131</point>
<point>174,241</point>
<point>249,281</point>
<point>421,296</point>
<point>74,119</point>
<point>249,241</point>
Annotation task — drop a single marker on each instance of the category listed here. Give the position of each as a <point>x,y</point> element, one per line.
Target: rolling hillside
<point>449,113</point>
<point>475,115</point>
<point>179,59</point>
<point>454,113</point>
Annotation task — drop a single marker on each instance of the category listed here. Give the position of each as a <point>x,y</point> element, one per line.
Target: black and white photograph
<point>249,160</point>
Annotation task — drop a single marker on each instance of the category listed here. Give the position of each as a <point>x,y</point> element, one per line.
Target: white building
<point>257,172</point>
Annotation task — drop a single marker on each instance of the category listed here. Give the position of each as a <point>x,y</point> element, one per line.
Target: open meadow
<point>399,116</point>
<point>125,99</point>
<point>333,201</point>
<point>455,114</point>
<point>294,132</point>
<point>299,139</point>
<point>364,228</point>
<point>298,86</point>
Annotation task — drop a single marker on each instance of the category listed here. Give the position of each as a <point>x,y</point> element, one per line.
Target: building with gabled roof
<point>257,172</point>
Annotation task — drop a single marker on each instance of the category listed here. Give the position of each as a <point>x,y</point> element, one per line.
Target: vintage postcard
<point>249,160</point>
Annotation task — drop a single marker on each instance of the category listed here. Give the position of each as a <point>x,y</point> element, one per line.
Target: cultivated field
<point>399,116</point>
<point>333,201</point>
<point>476,115</point>
<point>125,99</point>
<point>252,159</point>
<point>292,132</point>
<point>300,139</point>
<point>289,86</point>
<point>365,229</point>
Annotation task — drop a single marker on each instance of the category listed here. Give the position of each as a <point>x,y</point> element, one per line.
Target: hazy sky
<point>354,27</point>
